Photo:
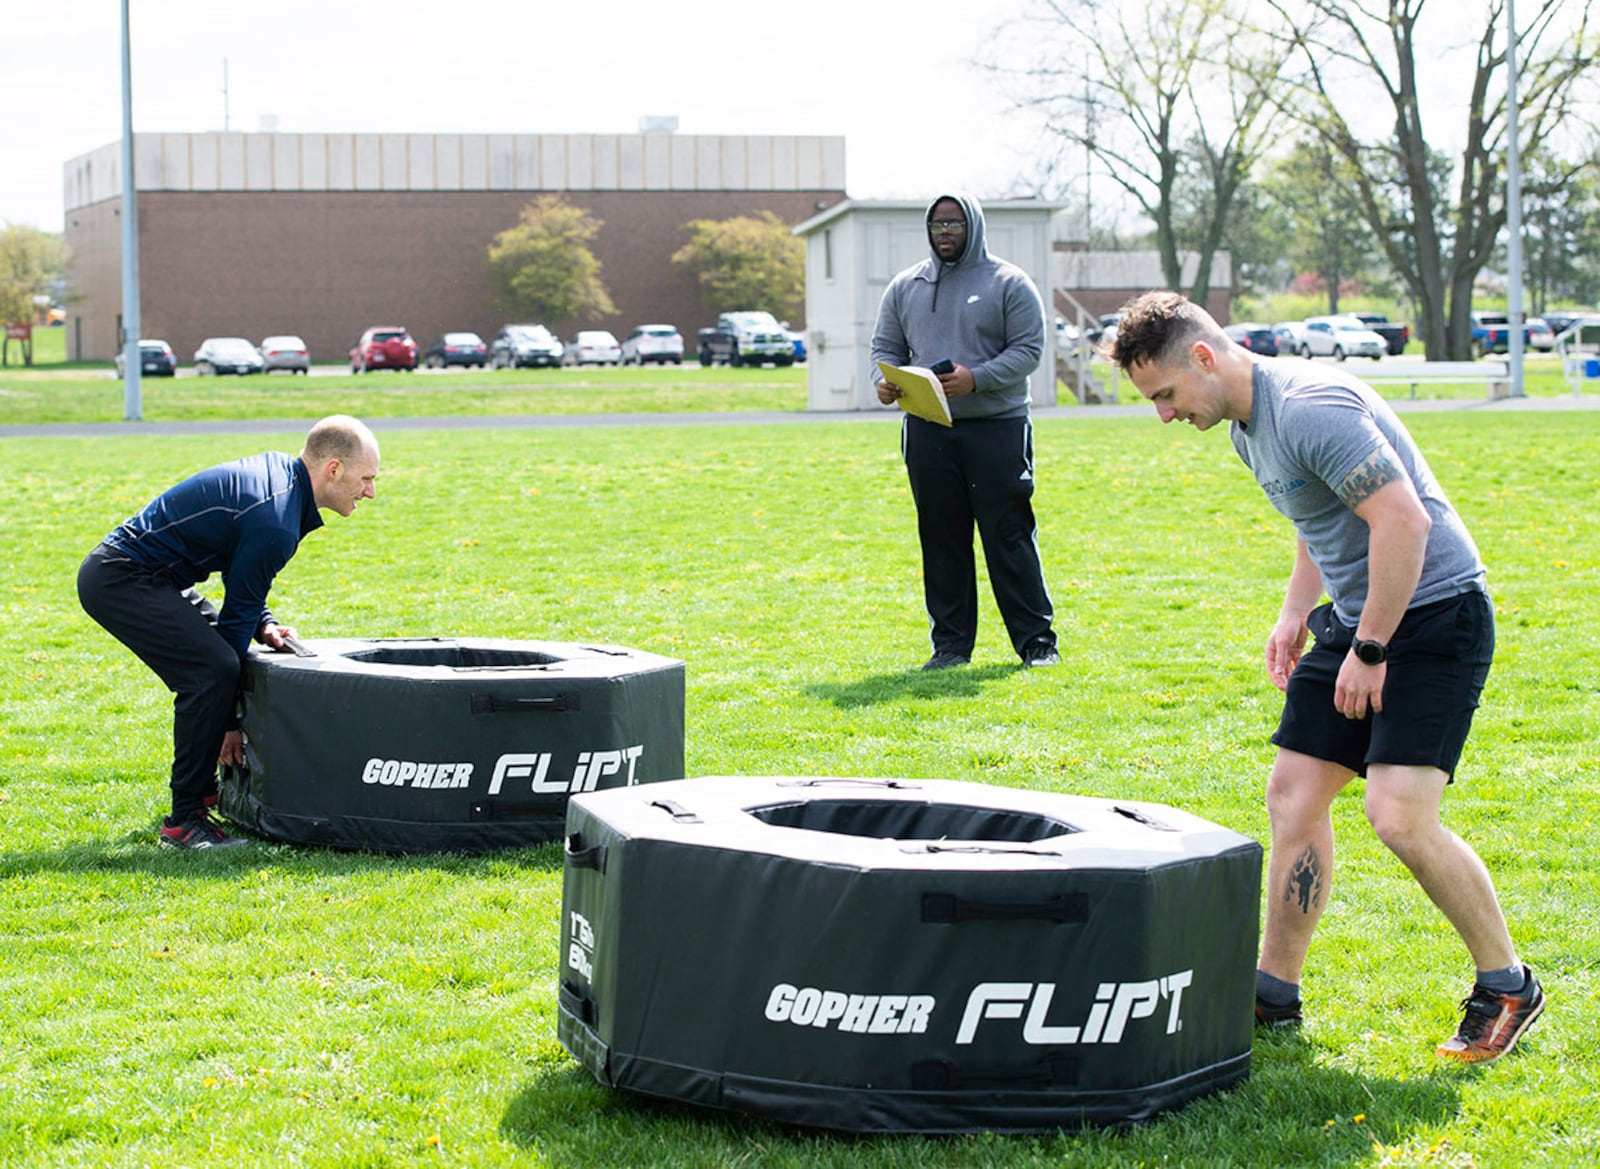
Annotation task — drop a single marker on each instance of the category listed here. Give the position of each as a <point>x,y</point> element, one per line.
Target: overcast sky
<point>892,76</point>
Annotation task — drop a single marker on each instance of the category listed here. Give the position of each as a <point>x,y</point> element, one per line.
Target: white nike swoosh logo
<point>973,298</point>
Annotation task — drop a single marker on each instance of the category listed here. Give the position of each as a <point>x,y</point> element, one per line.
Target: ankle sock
<point>1507,981</point>
<point>1275,991</point>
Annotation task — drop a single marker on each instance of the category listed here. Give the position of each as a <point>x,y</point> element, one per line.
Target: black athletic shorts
<point>1438,661</point>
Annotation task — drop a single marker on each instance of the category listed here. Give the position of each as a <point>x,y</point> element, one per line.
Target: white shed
<point>853,250</point>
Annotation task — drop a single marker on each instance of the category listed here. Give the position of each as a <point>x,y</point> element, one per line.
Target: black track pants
<point>173,631</point>
<point>979,471</point>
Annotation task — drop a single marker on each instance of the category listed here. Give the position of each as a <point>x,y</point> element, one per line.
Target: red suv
<point>383,348</point>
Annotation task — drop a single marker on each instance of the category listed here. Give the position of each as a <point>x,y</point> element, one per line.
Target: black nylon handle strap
<point>1140,817</point>
<point>577,1003</point>
<point>677,811</point>
<point>551,704</point>
<point>504,809</point>
<point>581,855</point>
<point>949,909</point>
<point>830,781</point>
<point>936,1075</point>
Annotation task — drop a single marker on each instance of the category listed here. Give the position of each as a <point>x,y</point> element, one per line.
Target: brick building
<point>325,234</point>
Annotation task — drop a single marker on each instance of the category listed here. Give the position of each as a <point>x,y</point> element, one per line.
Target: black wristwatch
<point>1370,652</point>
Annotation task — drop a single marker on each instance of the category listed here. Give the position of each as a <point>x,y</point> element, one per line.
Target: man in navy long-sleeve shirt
<point>244,520</point>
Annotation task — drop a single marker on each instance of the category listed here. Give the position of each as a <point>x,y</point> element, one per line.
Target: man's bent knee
<point>1300,787</point>
<point>1402,806</point>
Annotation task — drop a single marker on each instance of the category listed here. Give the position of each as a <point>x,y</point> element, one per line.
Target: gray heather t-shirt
<point>1309,428</point>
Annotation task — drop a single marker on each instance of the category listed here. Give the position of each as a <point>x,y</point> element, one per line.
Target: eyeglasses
<point>947,226</point>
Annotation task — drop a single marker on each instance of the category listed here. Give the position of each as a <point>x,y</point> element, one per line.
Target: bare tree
<point>1155,95</point>
<point>1438,245</point>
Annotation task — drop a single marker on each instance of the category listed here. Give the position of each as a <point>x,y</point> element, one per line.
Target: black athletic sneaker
<point>1494,1021</point>
<point>1273,1015</point>
<point>943,661</point>
<point>1041,656</point>
<point>197,833</point>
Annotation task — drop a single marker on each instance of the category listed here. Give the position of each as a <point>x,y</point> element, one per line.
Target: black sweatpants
<point>980,471</point>
<point>173,631</point>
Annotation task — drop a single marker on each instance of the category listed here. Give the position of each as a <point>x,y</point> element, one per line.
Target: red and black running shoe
<point>1277,1015</point>
<point>1494,1021</point>
<point>198,833</point>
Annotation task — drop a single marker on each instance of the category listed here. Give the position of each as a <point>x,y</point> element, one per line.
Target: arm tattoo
<point>1305,881</point>
<point>1377,470</point>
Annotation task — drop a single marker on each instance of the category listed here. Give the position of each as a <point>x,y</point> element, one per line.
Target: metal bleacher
<point>1578,347</point>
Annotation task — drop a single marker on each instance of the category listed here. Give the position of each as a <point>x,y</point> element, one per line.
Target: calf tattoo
<point>1305,881</point>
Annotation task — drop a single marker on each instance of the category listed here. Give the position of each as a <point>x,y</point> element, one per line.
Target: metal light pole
<point>1514,329</point>
<point>132,409</point>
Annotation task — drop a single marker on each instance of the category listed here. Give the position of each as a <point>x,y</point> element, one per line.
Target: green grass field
<point>290,1006</point>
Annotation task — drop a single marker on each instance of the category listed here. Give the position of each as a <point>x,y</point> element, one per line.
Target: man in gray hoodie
<point>983,317</point>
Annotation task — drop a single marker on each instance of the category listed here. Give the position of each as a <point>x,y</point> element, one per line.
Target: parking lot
<point>343,370</point>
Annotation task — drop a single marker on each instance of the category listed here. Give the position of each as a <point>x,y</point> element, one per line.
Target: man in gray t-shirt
<point>1402,648</point>
<point>1308,429</point>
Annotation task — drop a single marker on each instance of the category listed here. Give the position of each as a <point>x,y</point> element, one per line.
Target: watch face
<point>1371,652</point>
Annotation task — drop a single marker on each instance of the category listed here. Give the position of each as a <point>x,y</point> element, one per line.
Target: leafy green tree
<point>1313,187</point>
<point>1255,231</point>
<point>1561,220</point>
<point>748,262</point>
<point>544,267</point>
<point>30,260</point>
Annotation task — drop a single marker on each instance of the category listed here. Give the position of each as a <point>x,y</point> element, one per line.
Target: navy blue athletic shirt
<point>244,519</point>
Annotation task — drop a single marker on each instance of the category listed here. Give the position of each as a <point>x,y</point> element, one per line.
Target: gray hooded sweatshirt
<point>977,311</point>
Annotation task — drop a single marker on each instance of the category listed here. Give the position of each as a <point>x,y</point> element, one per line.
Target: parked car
<point>748,337</point>
<point>1560,320</point>
<point>1103,333</point>
<point>1067,338</point>
<point>286,352</point>
<point>1254,337</point>
<point>1540,335</point>
<point>218,355</point>
<point>1340,337</point>
<point>1394,334</point>
<point>658,343</point>
<point>1570,322</point>
<point>592,347</point>
<point>1286,334</point>
<point>1491,333</point>
<point>518,346</point>
<point>156,359</point>
<point>384,347</point>
<point>457,349</point>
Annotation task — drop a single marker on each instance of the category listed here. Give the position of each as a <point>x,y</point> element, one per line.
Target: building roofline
<point>840,209</point>
<point>240,161</point>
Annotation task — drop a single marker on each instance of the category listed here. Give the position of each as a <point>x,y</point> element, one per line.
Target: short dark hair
<point>1158,327</point>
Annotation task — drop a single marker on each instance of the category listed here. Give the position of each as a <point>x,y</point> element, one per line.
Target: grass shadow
<point>1327,1114</point>
<point>1295,1109</point>
<point>958,682</point>
<point>137,852</point>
